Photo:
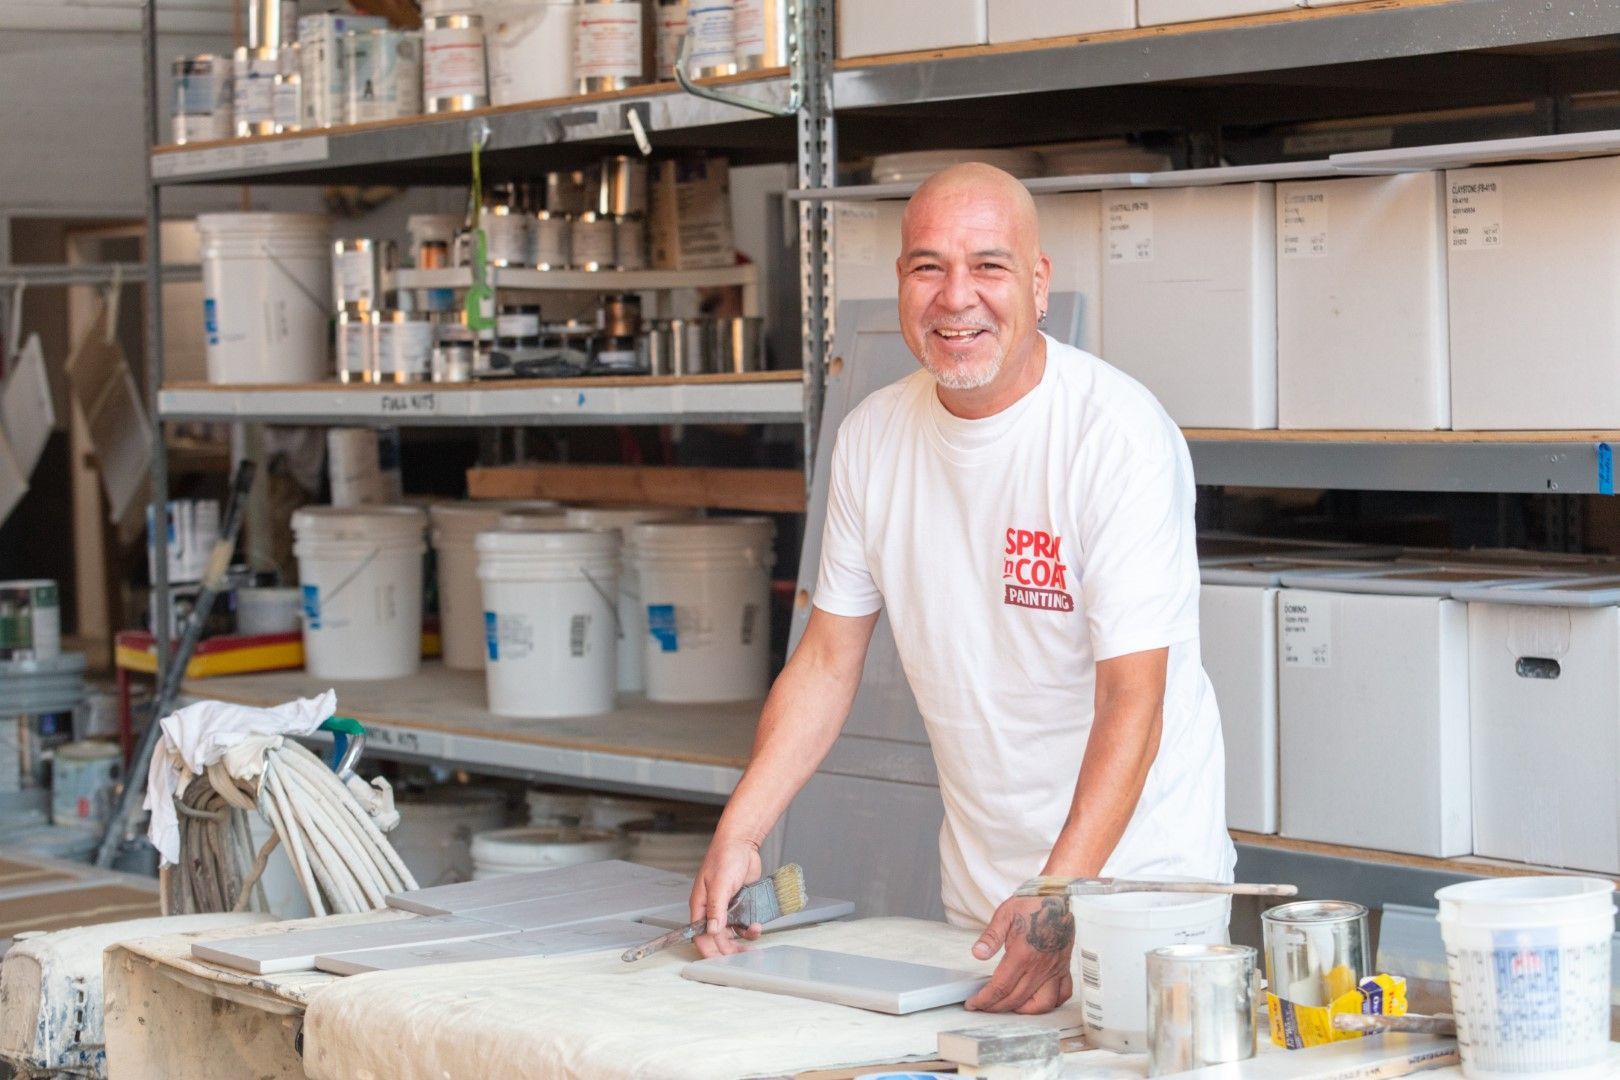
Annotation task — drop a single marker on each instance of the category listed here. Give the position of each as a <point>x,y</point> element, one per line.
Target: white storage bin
<point>1237,609</point>
<point>1158,12</point>
<point>1372,708</point>
<point>1545,721</point>
<point>1027,20</point>
<point>1361,303</point>
<point>1190,300</point>
<point>869,27</point>
<point>1534,256</point>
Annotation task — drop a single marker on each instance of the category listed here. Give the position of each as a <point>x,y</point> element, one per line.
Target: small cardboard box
<point>691,214</point>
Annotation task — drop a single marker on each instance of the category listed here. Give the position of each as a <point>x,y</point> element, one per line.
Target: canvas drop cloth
<point>596,1016</point>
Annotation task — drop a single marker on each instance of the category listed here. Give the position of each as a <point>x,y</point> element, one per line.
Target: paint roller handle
<point>1063,886</point>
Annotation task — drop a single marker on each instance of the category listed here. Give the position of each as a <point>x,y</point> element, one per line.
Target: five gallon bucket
<point>1529,961</point>
<point>435,830</point>
<point>1113,936</point>
<point>266,282</point>
<point>360,570</point>
<point>550,639</point>
<point>532,517</point>
<point>706,590</point>
<point>529,848</point>
<point>675,844</point>
<point>632,615</point>
<point>461,606</point>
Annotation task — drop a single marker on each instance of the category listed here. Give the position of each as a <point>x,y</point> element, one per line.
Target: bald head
<point>974,184</point>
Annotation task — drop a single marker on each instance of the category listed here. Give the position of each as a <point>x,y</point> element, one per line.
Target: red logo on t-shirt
<point>1033,572</point>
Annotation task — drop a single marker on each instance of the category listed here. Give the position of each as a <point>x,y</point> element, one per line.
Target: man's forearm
<point>1123,743</point>
<point>806,709</point>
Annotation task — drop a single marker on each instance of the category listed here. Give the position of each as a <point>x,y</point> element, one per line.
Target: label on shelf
<point>423,403</point>
<point>1130,228</point>
<point>245,155</point>
<point>1304,225</point>
<point>1475,211</point>
<point>405,740</point>
<point>1307,632</point>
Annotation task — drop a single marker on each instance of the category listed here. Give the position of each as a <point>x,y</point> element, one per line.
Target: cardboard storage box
<point>1372,708</point>
<point>690,219</point>
<point>1028,20</point>
<point>1544,681</point>
<point>1190,299</point>
<point>1361,304</point>
<point>873,27</point>
<point>1534,275</point>
<point>1158,12</point>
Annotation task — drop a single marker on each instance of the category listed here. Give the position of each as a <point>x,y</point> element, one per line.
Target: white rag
<point>201,734</point>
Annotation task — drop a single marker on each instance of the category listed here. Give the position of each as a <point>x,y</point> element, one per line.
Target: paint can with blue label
<point>202,99</point>
<point>550,620</point>
<point>706,588</point>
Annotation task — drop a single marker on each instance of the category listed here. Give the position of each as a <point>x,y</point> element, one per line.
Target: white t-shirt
<point>1012,554</point>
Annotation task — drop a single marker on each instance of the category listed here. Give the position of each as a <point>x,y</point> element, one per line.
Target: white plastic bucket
<point>632,616</point>
<point>266,280</point>
<point>705,587</point>
<point>678,846</point>
<point>556,806</point>
<point>360,571</point>
<point>435,830</point>
<point>461,604</point>
<point>1529,961</point>
<point>84,779</point>
<point>617,811</point>
<point>1113,935</point>
<point>550,642</point>
<point>529,848</point>
<point>532,518</point>
<point>531,49</point>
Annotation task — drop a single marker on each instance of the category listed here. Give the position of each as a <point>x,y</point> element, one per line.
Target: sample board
<point>865,982</point>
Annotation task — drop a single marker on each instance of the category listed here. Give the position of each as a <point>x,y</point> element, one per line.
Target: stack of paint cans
<point>202,99</point>
<point>622,198</point>
<point>506,223</point>
<point>30,620</point>
<point>41,688</point>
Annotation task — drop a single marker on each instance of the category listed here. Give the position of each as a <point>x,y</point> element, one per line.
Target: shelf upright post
<point>158,533</point>
<point>818,168</point>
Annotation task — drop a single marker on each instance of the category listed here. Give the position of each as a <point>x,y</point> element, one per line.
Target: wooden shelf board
<point>1463,864</point>
<point>1423,437</point>
<point>489,385</point>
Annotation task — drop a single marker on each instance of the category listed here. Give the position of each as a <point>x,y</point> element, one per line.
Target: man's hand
<point>1033,976</point>
<point>729,865</point>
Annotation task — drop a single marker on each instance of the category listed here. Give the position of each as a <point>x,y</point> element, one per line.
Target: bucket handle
<point>292,277</point>
<point>346,582</point>
<point>612,605</point>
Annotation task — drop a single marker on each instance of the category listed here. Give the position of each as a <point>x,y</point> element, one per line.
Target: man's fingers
<point>718,898</point>
<point>994,936</point>
<point>699,904</point>
<point>1023,984</point>
<point>751,933</point>
<point>1046,997</point>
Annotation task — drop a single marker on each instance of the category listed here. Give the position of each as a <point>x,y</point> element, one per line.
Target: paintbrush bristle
<point>768,899</point>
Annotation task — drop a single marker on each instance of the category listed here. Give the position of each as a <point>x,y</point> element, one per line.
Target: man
<point>1025,514</point>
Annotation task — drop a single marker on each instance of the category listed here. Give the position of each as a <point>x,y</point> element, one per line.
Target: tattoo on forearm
<point>1051,930</point>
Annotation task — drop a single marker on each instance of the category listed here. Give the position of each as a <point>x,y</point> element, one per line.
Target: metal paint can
<point>607,45</point>
<point>690,342</point>
<point>739,344</point>
<point>630,242</point>
<point>711,26</point>
<point>762,33</point>
<point>506,228</point>
<point>383,73</point>
<point>202,98</point>
<point>356,355</point>
<point>287,99</point>
<point>660,347</point>
<point>84,781</point>
<point>1200,1007</point>
<point>566,191</point>
<point>670,27</point>
<point>622,186</point>
<point>30,619</point>
<point>360,270</point>
<point>592,242</point>
<point>455,350</point>
<point>253,91</point>
<point>403,346</point>
<point>1316,951</point>
<point>548,236</point>
<point>453,70</point>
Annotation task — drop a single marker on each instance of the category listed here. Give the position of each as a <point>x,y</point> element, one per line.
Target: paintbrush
<point>1103,886</point>
<point>1368,1023</point>
<point>761,902</point>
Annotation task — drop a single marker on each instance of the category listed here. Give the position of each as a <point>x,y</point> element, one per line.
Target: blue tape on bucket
<point>492,635</point>
<point>211,320</point>
<point>1605,477</point>
<point>661,625</point>
<point>312,606</point>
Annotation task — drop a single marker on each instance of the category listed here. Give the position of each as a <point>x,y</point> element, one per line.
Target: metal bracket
<point>796,63</point>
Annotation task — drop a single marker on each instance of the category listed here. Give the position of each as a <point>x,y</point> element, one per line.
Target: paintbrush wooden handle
<point>1057,886</point>
<point>1412,1022</point>
<point>674,937</point>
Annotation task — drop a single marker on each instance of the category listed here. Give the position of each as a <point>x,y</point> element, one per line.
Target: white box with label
<point>1534,254</point>
<point>874,27</point>
<point>1159,12</point>
<point>1361,303</point>
<point>1372,709</point>
<point>1029,20</point>
<point>866,243</point>
<point>1189,299</point>
<point>1544,679</point>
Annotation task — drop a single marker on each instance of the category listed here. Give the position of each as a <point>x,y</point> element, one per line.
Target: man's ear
<point>1043,282</point>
